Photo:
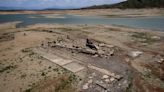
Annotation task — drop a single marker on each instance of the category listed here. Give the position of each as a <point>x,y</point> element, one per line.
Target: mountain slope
<point>133,4</point>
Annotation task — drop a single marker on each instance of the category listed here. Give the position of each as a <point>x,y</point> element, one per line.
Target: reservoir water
<point>155,23</point>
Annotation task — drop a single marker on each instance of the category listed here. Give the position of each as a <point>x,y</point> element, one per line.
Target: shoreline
<point>9,25</point>
<point>97,12</point>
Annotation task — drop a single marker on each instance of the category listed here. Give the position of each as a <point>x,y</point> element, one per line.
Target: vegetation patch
<point>68,29</point>
<point>23,76</point>
<point>7,68</point>
<point>62,83</point>
<point>130,79</point>
<point>6,37</point>
<point>26,50</point>
<point>6,49</point>
<point>156,70</point>
<point>28,90</point>
<point>144,38</point>
<point>31,54</point>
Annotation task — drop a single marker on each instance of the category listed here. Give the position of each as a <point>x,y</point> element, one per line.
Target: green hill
<point>133,4</point>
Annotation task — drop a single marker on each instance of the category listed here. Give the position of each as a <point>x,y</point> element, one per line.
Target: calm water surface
<point>156,23</point>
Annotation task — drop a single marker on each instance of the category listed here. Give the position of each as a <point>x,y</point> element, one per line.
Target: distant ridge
<point>11,8</point>
<point>132,4</point>
<point>122,5</point>
<point>24,9</point>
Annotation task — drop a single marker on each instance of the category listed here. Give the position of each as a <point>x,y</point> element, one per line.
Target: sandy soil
<point>125,59</point>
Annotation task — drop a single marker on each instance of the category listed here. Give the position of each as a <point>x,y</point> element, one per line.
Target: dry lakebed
<point>58,57</point>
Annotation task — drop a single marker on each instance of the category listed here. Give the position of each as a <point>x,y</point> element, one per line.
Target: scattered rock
<point>110,46</point>
<point>105,77</point>
<point>68,37</point>
<point>88,51</point>
<point>127,60</point>
<point>76,46</point>
<point>101,82</point>
<point>107,80</point>
<point>93,74</point>
<point>42,44</point>
<point>160,60</point>
<point>88,41</point>
<point>54,42</point>
<point>156,37</point>
<point>112,79</point>
<point>85,86</point>
<point>112,52</point>
<point>49,43</point>
<point>97,47</point>
<point>142,40</point>
<point>135,54</point>
<point>125,82</point>
<point>101,52</point>
<point>106,45</point>
<point>24,34</point>
<point>144,44</point>
<point>96,55</point>
<point>102,45</point>
<point>90,77</point>
<point>105,72</point>
<point>60,39</point>
<point>102,85</point>
<point>118,77</point>
<point>90,81</point>
<point>50,31</point>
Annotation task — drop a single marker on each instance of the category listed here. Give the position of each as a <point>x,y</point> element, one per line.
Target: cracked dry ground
<point>81,58</point>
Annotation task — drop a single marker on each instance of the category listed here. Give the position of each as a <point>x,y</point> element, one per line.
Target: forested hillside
<point>134,4</point>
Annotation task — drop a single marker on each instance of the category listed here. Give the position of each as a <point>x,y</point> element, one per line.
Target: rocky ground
<point>95,58</point>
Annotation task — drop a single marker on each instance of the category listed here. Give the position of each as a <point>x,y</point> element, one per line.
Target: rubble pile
<point>103,83</point>
<point>87,46</point>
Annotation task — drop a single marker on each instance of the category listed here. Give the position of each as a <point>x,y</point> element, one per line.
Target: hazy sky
<point>63,4</point>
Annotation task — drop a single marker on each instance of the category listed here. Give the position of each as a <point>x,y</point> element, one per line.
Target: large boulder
<point>91,45</point>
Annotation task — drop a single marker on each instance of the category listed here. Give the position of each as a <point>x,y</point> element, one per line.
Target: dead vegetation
<point>145,38</point>
<point>6,37</point>
<point>65,82</point>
